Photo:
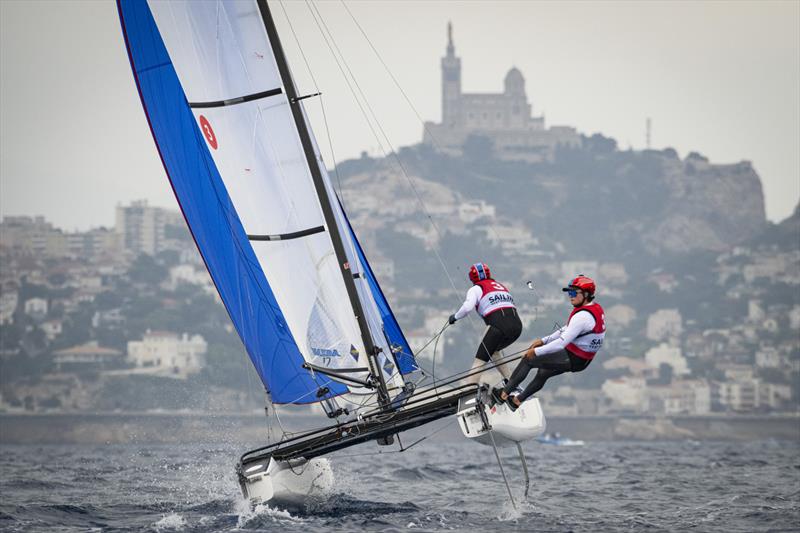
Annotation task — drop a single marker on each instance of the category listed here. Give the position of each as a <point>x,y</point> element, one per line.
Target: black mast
<point>324,200</point>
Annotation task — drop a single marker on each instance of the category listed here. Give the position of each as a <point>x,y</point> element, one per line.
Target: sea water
<point>436,486</point>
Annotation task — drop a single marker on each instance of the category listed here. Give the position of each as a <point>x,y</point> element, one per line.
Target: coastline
<point>249,429</point>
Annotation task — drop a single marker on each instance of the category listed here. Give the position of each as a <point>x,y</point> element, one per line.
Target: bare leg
<point>505,368</point>
<point>475,378</point>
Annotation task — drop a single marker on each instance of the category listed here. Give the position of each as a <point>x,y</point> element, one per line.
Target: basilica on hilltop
<point>505,119</point>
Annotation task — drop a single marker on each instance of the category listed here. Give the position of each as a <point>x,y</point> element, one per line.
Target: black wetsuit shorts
<point>505,327</point>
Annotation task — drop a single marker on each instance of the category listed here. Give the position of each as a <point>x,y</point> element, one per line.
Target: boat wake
<point>332,506</point>
<point>170,522</point>
<point>344,504</point>
<point>422,472</point>
<point>262,515</point>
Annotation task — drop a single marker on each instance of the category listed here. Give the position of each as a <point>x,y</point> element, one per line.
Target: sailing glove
<point>452,319</point>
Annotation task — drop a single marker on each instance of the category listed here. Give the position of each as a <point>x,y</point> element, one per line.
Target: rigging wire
<point>449,380</point>
<point>433,371</point>
<point>326,33</point>
<point>321,102</point>
<point>334,50</point>
<point>424,373</point>
<point>340,194</point>
<point>350,244</point>
<point>404,449</point>
<point>427,130</point>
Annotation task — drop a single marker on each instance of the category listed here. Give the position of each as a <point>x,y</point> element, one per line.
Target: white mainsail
<point>221,52</point>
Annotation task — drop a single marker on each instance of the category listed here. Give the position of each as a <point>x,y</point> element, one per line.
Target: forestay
<point>224,128</point>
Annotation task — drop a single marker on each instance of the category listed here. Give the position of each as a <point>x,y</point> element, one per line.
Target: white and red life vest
<point>495,297</point>
<point>588,344</point>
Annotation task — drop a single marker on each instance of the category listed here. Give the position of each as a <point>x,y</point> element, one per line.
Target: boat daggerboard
<point>222,122</point>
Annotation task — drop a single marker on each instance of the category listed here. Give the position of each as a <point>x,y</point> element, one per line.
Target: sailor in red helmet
<point>492,301</point>
<point>568,349</point>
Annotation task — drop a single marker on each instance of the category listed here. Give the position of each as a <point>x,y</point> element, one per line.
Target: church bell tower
<point>451,84</point>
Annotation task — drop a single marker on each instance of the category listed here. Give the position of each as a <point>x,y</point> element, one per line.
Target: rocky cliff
<point>708,207</point>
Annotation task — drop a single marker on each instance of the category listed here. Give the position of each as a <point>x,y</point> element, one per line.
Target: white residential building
<point>51,328</point>
<point>168,354</point>
<point>36,307</point>
<point>774,395</point>
<point>768,357</point>
<point>571,269</point>
<point>626,392</point>
<point>743,392</point>
<point>740,395</point>
<point>511,237</point>
<point>471,211</point>
<point>680,397</point>
<point>620,315</point>
<point>87,283</point>
<point>666,354</point>
<point>86,356</point>
<point>769,267</point>
<point>664,324</point>
<point>111,317</point>
<point>417,339</point>
<point>794,317</point>
<point>383,269</point>
<point>187,273</point>
<point>636,367</point>
<point>613,273</point>
<point>755,311</point>
<point>435,319</point>
<point>142,228</point>
<point>8,304</point>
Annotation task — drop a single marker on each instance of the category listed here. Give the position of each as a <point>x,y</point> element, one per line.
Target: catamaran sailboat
<point>235,142</point>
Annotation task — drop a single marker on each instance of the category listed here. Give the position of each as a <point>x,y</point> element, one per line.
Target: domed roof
<point>515,83</point>
<point>514,75</point>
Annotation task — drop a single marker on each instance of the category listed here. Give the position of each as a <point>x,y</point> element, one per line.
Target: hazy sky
<point>720,78</point>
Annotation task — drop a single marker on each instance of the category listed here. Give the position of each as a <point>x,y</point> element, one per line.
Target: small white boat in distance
<point>557,440</point>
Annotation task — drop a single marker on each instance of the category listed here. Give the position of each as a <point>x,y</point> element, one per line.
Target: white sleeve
<point>553,336</point>
<point>473,295</point>
<point>581,323</point>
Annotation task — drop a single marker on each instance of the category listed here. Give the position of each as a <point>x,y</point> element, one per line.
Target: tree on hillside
<point>145,269</point>
<point>478,148</point>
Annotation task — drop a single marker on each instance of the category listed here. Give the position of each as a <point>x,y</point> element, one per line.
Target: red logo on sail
<point>208,132</point>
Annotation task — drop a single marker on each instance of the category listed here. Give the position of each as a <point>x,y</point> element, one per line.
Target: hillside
<point>614,203</point>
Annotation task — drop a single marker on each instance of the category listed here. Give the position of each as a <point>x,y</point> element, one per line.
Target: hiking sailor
<point>568,349</point>
<point>492,301</point>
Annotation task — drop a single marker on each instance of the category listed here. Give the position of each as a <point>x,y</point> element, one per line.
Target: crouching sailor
<point>568,349</point>
<point>492,301</point>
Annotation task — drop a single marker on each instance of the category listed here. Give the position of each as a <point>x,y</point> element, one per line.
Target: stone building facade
<point>165,353</point>
<point>504,118</point>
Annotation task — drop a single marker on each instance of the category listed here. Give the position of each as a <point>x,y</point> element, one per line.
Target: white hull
<point>289,482</point>
<point>508,427</point>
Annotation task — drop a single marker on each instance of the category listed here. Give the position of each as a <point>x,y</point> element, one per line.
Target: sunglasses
<point>572,294</point>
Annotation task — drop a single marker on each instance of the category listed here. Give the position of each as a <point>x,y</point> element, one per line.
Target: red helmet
<point>583,283</point>
<point>478,272</point>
